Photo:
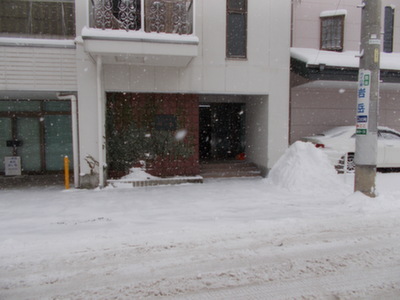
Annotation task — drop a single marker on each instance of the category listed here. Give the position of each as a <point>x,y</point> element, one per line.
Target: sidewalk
<point>28,181</point>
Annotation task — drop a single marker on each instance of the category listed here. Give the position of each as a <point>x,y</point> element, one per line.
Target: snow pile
<point>138,174</point>
<point>305,169</point>
<point>360,203</point>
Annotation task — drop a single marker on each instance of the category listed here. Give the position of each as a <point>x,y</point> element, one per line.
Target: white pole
<point>194,17</point>
<point>368,98</point>
<point>142,16</point>
<point>100,125</point>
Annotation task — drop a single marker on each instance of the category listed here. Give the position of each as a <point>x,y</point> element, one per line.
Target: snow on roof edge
<point>345,59</point>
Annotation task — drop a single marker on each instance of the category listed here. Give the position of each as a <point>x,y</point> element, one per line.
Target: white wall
<point>278,77</point>
<point>87,107</point>
<point>264,72</point>
<point>210,71</point>
<point>257,132</point>
<point>87,93</point>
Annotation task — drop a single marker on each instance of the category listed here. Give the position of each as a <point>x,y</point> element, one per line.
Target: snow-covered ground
<point>300,234</point>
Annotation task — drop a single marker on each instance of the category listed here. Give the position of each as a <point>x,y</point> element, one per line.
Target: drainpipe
<point>100,134</point>
<point>74,119</point>
<point>142,15</point>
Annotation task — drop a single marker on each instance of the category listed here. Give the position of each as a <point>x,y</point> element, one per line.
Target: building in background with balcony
<point>324,61</point>
<point>172,83</point>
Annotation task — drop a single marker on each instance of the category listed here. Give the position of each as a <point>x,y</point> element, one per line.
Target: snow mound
<point>305,169</point>
<point>138,174</point>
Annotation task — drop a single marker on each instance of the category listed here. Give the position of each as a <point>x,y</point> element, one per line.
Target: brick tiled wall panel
<point>186,109</point>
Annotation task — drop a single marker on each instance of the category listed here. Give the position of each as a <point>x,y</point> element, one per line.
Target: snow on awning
<point>39,43</point>
<point>333,13</point>
<point>346,59</point>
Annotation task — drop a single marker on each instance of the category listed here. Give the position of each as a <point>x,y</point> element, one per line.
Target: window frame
<point>244,13</point>
<point>340,17</point>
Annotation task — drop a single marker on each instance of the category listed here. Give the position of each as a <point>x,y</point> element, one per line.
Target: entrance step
<point>156,181</point>
<point>227,169</point>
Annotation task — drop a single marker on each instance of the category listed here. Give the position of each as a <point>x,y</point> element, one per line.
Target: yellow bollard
<point>66,172</point>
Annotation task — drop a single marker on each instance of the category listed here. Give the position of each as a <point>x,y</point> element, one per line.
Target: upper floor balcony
<point>147,32</point>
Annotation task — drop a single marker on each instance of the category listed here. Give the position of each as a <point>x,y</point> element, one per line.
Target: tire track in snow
<point>358,284</point>
<point>333,261</point>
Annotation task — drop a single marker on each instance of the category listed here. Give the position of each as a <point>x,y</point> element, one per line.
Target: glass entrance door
<point>58,141</point>
<point>28,133</point>
<point>5,135</point>
<point>39,131</point>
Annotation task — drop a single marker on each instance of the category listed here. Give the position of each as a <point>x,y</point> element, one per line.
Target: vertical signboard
<point>363,97</point>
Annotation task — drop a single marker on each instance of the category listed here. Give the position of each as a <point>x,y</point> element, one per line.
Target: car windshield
<point>334,132</point>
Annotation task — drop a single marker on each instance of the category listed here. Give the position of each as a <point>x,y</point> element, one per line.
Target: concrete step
<point>229,169</point>
<point>156,181</point>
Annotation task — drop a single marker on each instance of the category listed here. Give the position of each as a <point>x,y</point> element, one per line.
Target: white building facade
<point>325,45</point>
<point>172,83</point>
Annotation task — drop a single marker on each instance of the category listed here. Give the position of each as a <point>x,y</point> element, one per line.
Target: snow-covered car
<point>339,141</point>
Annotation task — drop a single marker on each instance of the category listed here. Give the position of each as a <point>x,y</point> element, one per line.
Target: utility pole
<point>368,98</point>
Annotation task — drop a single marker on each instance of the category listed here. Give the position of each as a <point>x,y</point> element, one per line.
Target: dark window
<point>388,30</point>
<point>236,29</point>
<point>165,122</point>
<point>41,19</point>
<point>332,29</point>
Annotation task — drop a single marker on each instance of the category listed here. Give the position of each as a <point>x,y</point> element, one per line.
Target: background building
<point>325,44</point>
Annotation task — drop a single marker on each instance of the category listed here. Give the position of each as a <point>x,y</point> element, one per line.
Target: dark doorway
<point>222,132</point>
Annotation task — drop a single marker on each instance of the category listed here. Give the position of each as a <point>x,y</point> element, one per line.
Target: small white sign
<point>12,165</point>
<point>374,42</point>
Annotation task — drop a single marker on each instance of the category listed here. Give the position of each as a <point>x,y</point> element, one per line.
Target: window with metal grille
<point>236,29</point>
<point>332,29</point>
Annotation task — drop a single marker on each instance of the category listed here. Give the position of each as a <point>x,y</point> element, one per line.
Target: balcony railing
<point>161,16</point>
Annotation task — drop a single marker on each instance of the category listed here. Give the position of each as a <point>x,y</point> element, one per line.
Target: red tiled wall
<point>186,109</point>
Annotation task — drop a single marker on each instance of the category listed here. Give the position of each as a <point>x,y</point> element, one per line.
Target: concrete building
<point>325,45</point>
<point>173,83</point>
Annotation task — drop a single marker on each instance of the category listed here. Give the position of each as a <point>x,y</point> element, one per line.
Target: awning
<point>314,64</point>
